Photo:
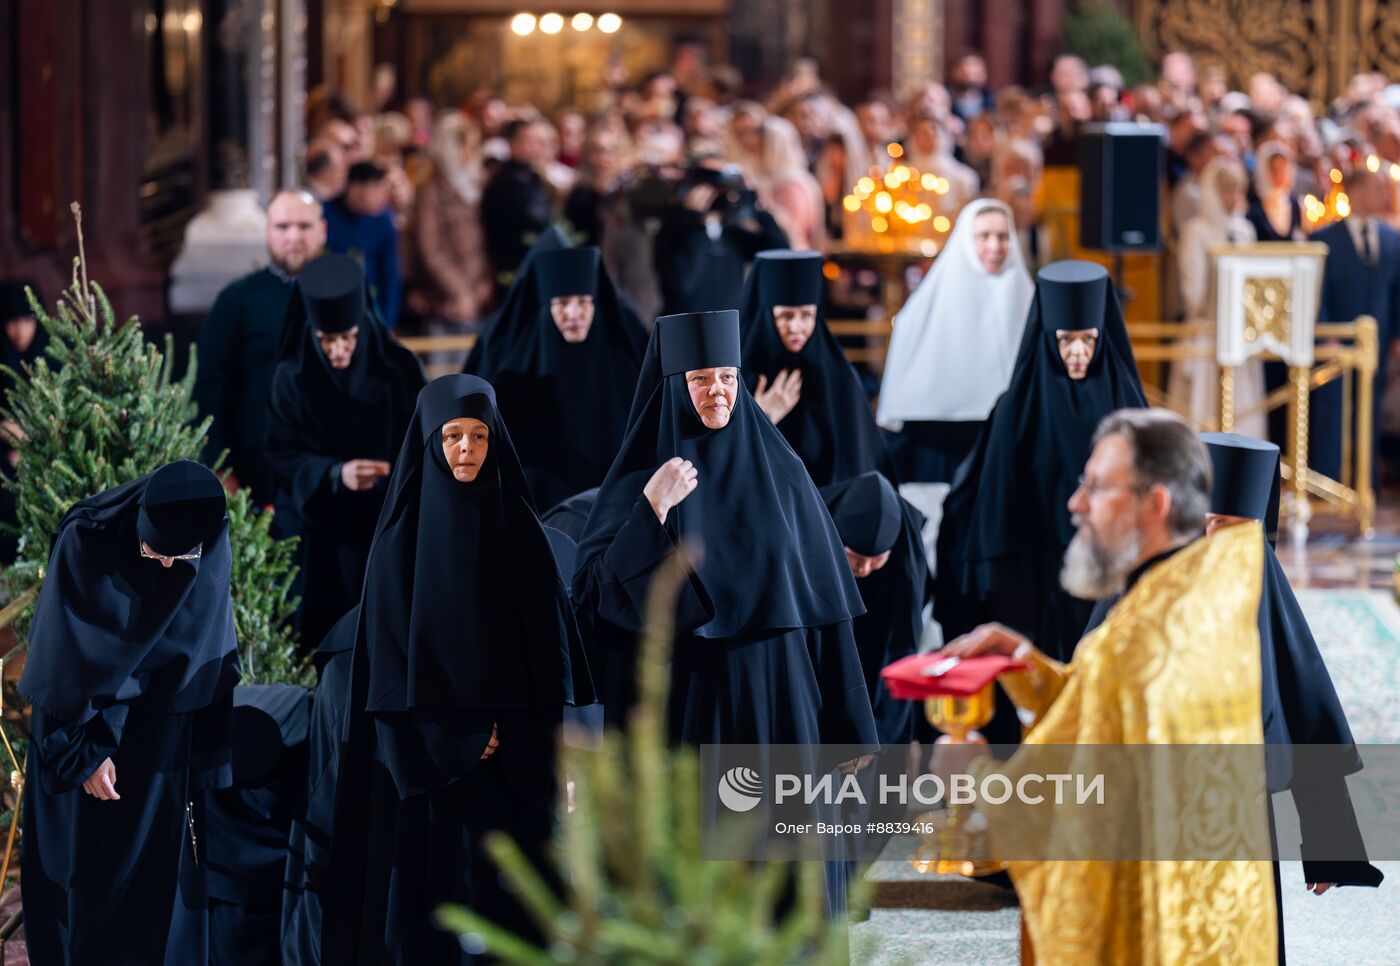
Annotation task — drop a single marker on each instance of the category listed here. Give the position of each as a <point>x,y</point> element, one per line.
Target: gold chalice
<point>958,846</point>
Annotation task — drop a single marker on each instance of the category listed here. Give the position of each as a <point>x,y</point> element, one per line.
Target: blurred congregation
<point>496,310</point>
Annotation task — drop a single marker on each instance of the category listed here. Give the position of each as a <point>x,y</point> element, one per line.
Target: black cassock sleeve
<point>618,581</point>
<point>1299,690</point>
<point>427,749</point>
<point>71,752</point>
<point>306,481</point>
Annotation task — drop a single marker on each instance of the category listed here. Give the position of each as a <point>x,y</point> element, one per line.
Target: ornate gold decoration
<point>1313,46</point>
<point>1377,37</point>
<point>918,42</point>
<point>1268,308</point>
<point>1286,38</point>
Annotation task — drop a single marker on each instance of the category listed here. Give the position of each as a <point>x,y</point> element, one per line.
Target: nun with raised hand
<point>564,360</point>
<point>342,395</point>
<point>465,655</point>
<point>951,353</point>
<point>1005,528</point>
<point>798,374</point>
<point>764,649</point>
<point>131,668</point>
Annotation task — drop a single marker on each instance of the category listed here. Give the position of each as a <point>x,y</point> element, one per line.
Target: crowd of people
<point>654,377</point>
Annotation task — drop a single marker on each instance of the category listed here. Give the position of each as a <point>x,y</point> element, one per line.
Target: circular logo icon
<point>740,789</point>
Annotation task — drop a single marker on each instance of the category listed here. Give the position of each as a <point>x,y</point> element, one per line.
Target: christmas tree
<point>100,408</point>
<point>638,888</point>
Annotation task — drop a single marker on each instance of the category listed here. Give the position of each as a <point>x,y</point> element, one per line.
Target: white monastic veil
<point>955,340</point>
<point>951,353</point>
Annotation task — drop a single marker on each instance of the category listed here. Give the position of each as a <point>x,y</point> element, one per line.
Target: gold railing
<point>8,615</point>
<point>1348,351</point>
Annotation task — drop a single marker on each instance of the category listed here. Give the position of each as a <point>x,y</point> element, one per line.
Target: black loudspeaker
<point>1121,167</point>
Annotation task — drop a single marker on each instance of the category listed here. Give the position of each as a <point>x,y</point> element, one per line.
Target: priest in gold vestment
<point>1175,663</point>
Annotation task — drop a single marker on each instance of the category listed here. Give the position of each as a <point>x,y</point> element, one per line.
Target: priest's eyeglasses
<point>195,554</point>
<point>1094,487</point>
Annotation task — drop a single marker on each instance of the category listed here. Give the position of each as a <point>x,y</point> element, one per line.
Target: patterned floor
<point>1345,587</point>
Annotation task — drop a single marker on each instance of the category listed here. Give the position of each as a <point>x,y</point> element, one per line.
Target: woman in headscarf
<point>451,275</point>
<point>465,655</point>
<point>764,651</point>
<point>798,374</point>
<point>1194,384</point>
<point>342,395</point>
<point>1005,526</point>
<point>131,668</point>
<point>770,150</point>
<point>1274,210</point>
<point>563,358</point>
<point>952,351</point>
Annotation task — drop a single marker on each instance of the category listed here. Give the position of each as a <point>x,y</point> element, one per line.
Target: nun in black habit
<point>798,374</point>
<point>564,364</point>
<point>571,516</point>
<point>1298,701</point>
<point>131,669</point>
<point>465,654</point>
<point>309,841</point>
<point>764,649</point>
<point>342,396</point>
<point>881,536</point>
<point>249,823</point>
<point>1005,527</point>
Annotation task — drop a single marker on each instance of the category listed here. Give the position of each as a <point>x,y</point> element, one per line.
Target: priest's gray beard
<point>1093,571</point>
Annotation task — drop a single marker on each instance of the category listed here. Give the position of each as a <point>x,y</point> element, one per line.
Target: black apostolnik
<point>1005,523</point>
<point>832,427</point>
<point>764,650</point>
<point>564,382</point>
<point>465,629</point>
<point>320,418</point>
<point>132,661</point>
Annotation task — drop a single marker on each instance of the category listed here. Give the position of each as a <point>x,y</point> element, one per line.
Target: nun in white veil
<point>1193,388</point>
<point>951,353</point>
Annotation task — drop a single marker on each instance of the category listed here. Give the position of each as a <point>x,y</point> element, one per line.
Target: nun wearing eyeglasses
<point>342,395</point>
<point>764,649</point>
<point>131,668</point>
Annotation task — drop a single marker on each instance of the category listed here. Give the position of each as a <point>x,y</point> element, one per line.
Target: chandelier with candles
<point>897,209</point>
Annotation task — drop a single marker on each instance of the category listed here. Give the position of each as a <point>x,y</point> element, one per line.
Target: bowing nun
<point>880,533</point>
<point>309,839</point>
<point>131,669</point>
<point>764,649</point>
<point>466,653</point>
<point>798,374</point>
<point>342,395</point>
<point>563,359</point>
